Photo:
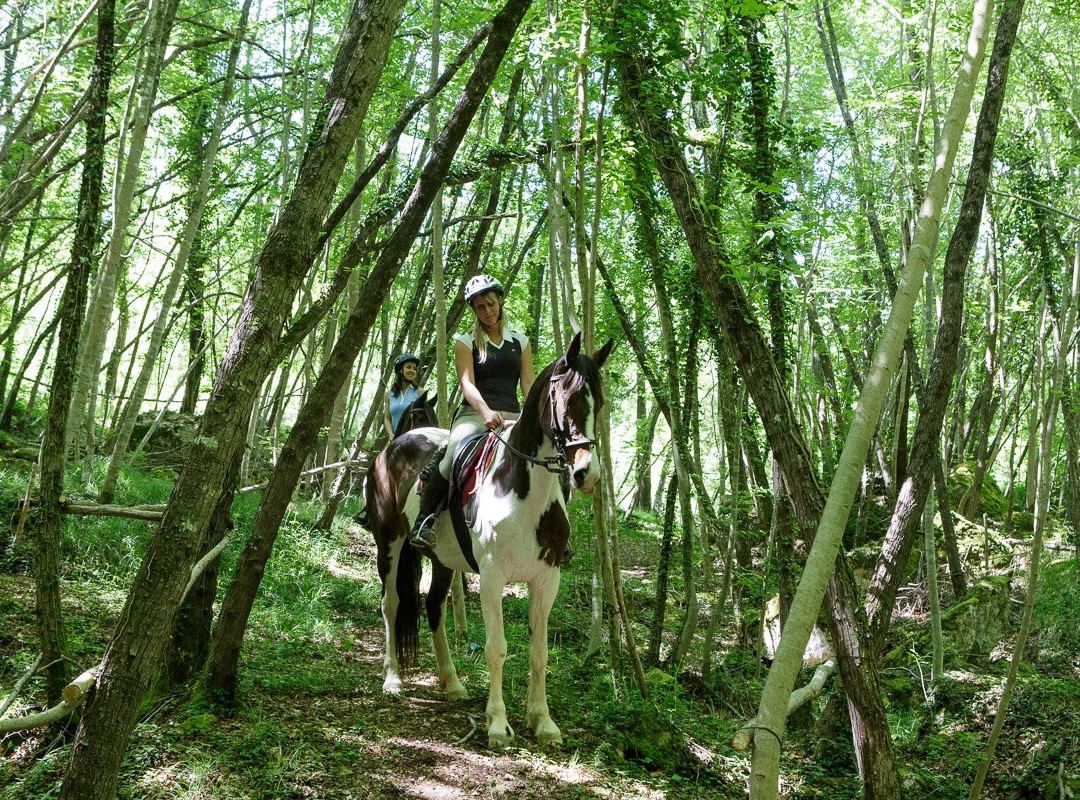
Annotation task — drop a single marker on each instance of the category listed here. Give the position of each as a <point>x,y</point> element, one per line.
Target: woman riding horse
<point>518,533</point>
<point>490,362</point>
<point>403,392</point>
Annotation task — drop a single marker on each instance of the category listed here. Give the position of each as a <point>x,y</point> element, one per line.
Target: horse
<point>519,533</point>
<point>420,414</point>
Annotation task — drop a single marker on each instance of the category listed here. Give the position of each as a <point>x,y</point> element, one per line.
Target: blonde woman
<point>492,362</point>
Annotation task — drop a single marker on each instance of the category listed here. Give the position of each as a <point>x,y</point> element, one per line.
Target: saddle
<point>472,459</point>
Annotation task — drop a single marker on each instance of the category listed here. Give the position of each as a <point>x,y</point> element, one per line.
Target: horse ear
<point>574,350</point>
<point>601,355</point>
<point>422,397</point>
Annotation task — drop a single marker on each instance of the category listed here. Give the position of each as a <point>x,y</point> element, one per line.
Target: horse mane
<point>527,434</point>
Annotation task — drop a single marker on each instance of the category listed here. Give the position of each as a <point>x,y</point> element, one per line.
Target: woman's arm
<point>526,370</point>
<point>386,417</point>
<point>467,379</point>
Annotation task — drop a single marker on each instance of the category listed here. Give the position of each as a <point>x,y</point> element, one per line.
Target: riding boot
<point>433,497</point>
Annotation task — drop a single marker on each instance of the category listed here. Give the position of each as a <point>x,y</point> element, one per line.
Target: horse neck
<point>528,436</point>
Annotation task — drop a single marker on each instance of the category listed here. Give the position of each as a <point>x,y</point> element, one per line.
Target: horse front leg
<point>392,682</point>
<point>441,577</point>
<point>542,593</point>
<point>491,591</point>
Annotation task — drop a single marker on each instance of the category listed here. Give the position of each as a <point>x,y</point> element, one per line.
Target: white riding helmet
<point>478,284</point>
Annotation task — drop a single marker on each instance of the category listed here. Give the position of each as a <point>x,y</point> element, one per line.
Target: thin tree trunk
<point>70,314</point>
<point>948,532</point>
<point>663,568</point>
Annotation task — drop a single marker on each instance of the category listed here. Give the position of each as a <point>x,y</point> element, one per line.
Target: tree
<point>135,652</point>
<point>72,304</point>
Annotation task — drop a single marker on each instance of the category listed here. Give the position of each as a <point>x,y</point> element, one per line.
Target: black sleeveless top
<point>497,377</point>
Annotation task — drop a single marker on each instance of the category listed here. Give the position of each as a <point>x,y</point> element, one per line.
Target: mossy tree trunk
<point>134,655</point>
<point>70,316</point>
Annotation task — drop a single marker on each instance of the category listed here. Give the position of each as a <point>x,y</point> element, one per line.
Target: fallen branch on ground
<point>148,513</point>
<point>349,464</point>
<point>745,734</point>
<point>73,695</point>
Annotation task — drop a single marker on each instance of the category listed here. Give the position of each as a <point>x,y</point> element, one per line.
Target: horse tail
<point>407,619</point>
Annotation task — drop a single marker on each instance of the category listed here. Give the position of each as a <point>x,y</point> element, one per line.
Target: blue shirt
<point>400,402</point>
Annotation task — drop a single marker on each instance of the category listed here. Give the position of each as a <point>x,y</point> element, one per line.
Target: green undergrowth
<point>311,717</point>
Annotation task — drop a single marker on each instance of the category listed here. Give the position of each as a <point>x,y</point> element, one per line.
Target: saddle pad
<point>471,461</point>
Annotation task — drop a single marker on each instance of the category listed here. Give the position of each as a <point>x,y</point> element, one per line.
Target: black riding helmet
<point>404,359</point>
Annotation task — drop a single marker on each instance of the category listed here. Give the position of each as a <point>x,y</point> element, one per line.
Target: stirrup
<point>423,535</point>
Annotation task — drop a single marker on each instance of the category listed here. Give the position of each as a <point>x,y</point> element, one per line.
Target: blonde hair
<point>480,336</point>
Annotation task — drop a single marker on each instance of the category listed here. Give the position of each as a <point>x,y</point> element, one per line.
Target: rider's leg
<point>435,478</point>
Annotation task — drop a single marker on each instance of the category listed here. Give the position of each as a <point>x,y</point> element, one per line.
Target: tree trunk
<point>948,532</point>
<point>933,400</point>
<point>70,314</point>
<point>236,607</point>
<point>134,655</point>
<point>191,633</point>
<point>663,568</point>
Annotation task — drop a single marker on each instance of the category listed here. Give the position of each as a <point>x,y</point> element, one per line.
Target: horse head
<point>574,399</point>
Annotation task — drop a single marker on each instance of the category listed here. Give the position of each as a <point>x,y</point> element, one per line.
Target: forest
<point>823,539</point>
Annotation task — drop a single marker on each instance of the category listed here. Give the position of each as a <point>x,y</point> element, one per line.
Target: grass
<point>313,721</point>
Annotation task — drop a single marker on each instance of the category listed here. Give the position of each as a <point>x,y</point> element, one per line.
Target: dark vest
<point>497,378</point>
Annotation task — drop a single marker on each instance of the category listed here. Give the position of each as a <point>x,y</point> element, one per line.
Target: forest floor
<point>313,722</point>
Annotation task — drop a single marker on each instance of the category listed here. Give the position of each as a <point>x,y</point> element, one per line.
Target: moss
<point>971,628</point>
<point>644,736</point>
<point>993,504</point>
<point>1023,521</point>
<point>200,723</point>
<point>1055,639</point>
<point>974,625</point>
<point>956,691</point>
<point>903,690</point>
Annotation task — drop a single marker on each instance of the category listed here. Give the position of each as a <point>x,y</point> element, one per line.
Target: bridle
<point>558,434</point>
<point>558,464</point>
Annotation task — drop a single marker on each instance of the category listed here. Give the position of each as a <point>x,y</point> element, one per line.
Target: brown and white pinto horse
<point>518,535</point>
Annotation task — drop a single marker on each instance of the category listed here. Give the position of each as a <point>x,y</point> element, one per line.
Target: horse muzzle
<point>584,470</point>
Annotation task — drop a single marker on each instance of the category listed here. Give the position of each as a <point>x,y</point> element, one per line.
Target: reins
<point>557,464</point>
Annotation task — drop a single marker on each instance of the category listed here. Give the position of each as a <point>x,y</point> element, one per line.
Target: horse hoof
<point>393,685</point>
<point>458,692</point>
<point>501,737</point>
<point>548,734</point>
